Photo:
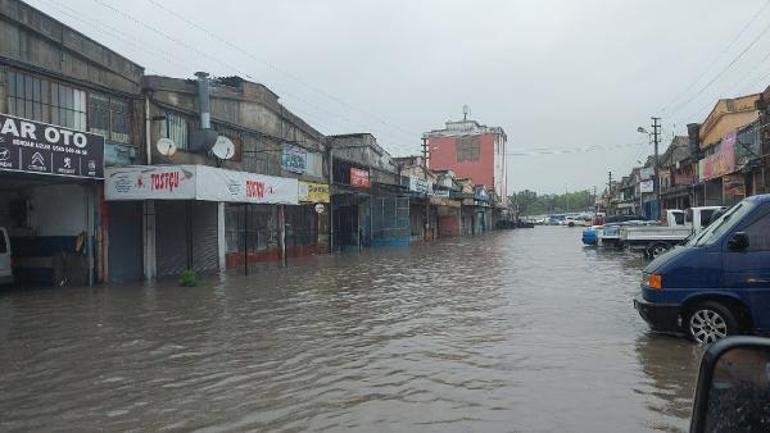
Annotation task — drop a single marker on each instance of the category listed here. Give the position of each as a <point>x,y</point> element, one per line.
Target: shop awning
<point>197,182</point>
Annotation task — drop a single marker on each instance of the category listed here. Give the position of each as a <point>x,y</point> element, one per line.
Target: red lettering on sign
<point>168,181</point>
<point>255,189</point>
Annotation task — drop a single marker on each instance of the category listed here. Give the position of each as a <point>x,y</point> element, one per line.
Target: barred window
<point>467,148</point>
<point>46,101</point>
<point>110,116</point>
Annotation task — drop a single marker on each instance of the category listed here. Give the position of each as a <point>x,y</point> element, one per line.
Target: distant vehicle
<point>609,233</point>
<point>679,225</point>
<point>6,272</point>
<point>590,235</point>
<point>717,284</point>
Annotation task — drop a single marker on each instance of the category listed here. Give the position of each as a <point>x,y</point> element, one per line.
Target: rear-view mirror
<point>733,391</point>
<point>738,242</point>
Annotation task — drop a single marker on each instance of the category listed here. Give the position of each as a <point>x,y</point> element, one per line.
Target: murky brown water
<point>523,331</point>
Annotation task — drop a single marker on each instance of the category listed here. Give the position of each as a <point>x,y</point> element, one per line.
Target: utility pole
<point>609,192</point>
<point>425,176</point>
<point>656,181</point>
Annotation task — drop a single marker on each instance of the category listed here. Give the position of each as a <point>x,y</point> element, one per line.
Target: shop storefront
<point>204,218</point>
<point>50,185</point>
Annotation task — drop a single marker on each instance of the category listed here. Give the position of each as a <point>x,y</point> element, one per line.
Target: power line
<point>273,66</point>
<point>227,64</point>
<point>718,56</point>
<point>569,151</point>
<point>723,71</point>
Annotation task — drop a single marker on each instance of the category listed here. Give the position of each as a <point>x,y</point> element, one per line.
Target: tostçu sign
<point>34,147</point>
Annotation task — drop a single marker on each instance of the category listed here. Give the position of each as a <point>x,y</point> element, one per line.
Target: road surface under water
<point>520,331</point>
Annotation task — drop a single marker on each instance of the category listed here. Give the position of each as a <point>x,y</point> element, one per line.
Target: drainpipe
<point>148,130</point>
<point>203,99</point>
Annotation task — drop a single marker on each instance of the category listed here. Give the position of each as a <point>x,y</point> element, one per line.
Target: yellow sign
<point>313,192</point>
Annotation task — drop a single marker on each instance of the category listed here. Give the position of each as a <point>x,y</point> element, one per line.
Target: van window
<point>3,244</point>
<point>679,218</point>
<point>705,216</point>
<point>759,234</point>
<point>724,224</point>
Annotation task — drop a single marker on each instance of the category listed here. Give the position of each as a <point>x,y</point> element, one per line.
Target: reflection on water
<point>514,331</point>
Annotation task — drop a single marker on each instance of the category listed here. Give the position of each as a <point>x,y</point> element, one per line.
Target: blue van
<point>718,283</point>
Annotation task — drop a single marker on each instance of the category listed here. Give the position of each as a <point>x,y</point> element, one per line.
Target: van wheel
<point>711,321</point>
<point>657,250</point>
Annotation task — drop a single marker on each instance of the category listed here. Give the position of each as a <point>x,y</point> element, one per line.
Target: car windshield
<point>722,225</point>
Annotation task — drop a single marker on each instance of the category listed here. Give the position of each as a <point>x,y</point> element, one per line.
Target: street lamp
<point>641,130</point>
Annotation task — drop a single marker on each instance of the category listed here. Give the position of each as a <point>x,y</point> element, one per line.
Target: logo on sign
<point>234,188</point>
<point>67,162</point>
<point>257,189</point>
<point>38,162</point>
<point>168,181</point>
<point>5,154</point>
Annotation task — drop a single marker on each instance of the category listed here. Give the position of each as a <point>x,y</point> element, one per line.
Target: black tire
<point>657,249</point>
<point>710,321</point>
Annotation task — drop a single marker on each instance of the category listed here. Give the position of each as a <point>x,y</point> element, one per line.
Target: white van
<point>6,273</point>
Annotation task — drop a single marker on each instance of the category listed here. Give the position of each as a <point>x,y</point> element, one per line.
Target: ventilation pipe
<point>203,99</point>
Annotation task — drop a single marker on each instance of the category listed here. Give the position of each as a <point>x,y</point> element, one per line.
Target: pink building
<point>470,150</point>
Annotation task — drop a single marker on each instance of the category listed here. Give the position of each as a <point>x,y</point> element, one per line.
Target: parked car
<point>718,283</point>
<point>6,272</point>
<point>677,227</point>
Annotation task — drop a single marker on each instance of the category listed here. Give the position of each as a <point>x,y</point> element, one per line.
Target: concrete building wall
<point>250,108</point>
<point>443,155</point>
<point>31,37</point>
<point>728,114</point>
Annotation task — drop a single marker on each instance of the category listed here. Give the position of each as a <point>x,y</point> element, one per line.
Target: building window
<point>110,117</point>
<point>467,148</point>
<point>177,127</point>
<point>46,101</point>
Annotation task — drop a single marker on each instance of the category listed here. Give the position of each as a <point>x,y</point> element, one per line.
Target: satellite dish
<point>166,147</point>
<point>223,148</point>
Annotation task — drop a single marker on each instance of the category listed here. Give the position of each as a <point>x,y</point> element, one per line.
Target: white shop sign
<point>197,182</point>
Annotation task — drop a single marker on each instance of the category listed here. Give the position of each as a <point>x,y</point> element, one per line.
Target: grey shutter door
<point>125,248</point>
<point>205,244</point>
<point>170,240</point>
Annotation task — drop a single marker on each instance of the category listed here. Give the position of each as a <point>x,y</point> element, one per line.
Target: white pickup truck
<point>654,240</point>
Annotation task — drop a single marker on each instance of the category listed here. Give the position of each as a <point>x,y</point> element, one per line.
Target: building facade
<point>85,104</point>
<point>472,151</point>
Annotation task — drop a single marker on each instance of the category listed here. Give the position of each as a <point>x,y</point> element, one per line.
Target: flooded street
<point>520,331</point>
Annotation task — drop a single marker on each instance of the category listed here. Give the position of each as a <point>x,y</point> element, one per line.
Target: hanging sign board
<point>294,159</point>
<point>197,182</point>
<point>418,185</point>
<point>34,147</point>
<point>313,192</point>
<point>647,186</point>
<point>721,162</point>
<point>359,178</point>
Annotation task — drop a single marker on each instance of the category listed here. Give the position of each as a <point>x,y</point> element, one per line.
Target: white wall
<point>58,210</point>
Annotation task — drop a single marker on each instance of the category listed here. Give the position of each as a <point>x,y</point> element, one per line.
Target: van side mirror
<point>739,242</point>
<point>733,391</point>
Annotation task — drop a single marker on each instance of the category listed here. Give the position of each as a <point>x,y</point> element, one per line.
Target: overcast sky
<point>558,75</point>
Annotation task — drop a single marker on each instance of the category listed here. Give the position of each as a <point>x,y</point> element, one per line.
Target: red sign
<point>257,189</point>
<point>168,181</point>
<point>722,162</point>
<point>359,178</point>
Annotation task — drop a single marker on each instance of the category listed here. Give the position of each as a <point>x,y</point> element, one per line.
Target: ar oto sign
<point>33,147</point>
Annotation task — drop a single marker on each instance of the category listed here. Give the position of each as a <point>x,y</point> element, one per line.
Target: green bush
<point>188,279</point>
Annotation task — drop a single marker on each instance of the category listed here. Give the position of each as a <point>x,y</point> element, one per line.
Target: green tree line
<point>530,203</point>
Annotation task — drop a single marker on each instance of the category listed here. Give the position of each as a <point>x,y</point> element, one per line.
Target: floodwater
<point>520,331</point>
